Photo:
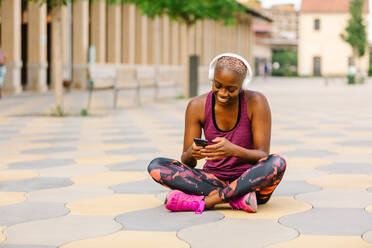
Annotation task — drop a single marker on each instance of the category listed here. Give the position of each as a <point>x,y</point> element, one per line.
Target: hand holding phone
<point>201,142</point>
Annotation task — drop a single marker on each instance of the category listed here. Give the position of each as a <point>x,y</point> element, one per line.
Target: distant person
<point>3,61</point>
<point>266,70</point>
<point>237,125</point>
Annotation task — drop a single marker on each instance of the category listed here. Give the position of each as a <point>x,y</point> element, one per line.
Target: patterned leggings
<point>263,178</point>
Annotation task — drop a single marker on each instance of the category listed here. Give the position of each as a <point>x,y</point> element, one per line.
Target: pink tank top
<point>228,168</point>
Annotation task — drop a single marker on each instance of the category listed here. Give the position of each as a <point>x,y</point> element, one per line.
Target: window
<point>350,61</point>
<point>317,24</point>
<point>316,66</point>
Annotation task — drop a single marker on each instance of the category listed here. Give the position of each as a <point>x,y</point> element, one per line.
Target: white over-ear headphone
<point>248,77</point>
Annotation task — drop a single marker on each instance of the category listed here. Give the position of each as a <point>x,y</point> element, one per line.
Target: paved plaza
<point>81,182</point>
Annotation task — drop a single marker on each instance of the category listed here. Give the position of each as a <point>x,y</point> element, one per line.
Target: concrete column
<point>175,42</point>
<point>152,41</point>
<point>128,34</point>
<point>165,40</point>
<point>206,43</point>
<point>80,30</point>
<point>11,43</point>
<point>36,48</point>
<point>144,40</point>
<point>114,33</point>
<point>184,58</point>
<point>65,41</point>
<point>98,29</point>
<point>199,39</point>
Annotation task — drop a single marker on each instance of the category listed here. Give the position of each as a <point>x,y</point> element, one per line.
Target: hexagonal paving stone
<point>33,184</point>
<point>308,241</point>
<point>105,160</point>
<point>109,178</point>
<point>148,186</point>
<point>309,153</point>
<point>370,189</point>
<point>291,188</point>
<point>100,147</point>
<point>237,233</point>
<point>18,158</point>
<point>337,198</point>
<point>68,194</point>
<point>295,162</point>
<point>342,181</point>
<point>330,221</point>
<point>113,205</point>
<point>347,168</point>
<point>367,143</point>
<point>128,131</point>
<point>285,142</point>
<point>165,220</point>
<point>26,246</point>
<point>327,133</point>
<point>72,170</point>
<point>41,164</point>
<point>298,174</point>
<point>8,198</point>
<point>61,230</point>
<point>54,140</point>
<point>136,165</point>
<point>131,239</point>
<point>275,208</point>
<point>9,175</point>
<point>28,211</point>
<point>368,237</point>
<point>49,150</point>
<point>126,140</point>
<point>133,150</point>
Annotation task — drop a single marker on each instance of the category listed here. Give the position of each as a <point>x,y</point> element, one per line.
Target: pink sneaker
<point>178,201</point>
<point>248,203</point>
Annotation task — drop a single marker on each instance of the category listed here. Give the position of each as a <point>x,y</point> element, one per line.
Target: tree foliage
<point>190,11</point>
<point>355,32</point>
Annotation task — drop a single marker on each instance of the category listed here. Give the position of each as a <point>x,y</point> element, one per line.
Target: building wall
<point>325,43</point>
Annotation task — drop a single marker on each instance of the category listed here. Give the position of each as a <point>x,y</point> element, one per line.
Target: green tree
<point>355,32</point>
<point>287,61</point>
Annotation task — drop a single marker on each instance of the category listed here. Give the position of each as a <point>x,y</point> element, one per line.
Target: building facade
<point>120,35</point>
<point>321,50</point>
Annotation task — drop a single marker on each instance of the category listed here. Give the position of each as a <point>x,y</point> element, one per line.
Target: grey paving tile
<point>62,133</point>
<point>147,186</point>
<point>28,211</point>
<point>48,150</point>
<point>54,140</point>
<point>325,134</point>
<point>298,174</point>
<point>237,233</point>
<point>309,153</point>
<point>68,194</point>
<point>41,164</point>
<point>125,132</point>
<point>38,183</point>
<point>61,230</point>
<point>359,128</point>
<point>330,221</point>
<point>285,142</point>
<point>26,246</point>
<point>347,168</point>
<point>370,189</point>
<point>357,143</point>
<point>126,140</point>
<point>160,219</point>
<point>368,236</point>
<point>337,198</point>
<point>72,170</point>
<point>292,188</point>
<point>137,165</point>
<point>134,150</point>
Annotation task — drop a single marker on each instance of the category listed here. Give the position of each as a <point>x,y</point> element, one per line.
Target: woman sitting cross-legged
<point>237,124</point>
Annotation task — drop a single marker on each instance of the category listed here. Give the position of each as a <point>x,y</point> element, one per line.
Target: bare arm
<point>261,131</point>
<point>193,118</point>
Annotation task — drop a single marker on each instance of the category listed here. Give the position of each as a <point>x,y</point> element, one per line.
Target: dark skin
<point>226,88</point>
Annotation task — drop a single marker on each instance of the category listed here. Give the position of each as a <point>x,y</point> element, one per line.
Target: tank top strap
<point>243,110</point>
<point>208,109</point>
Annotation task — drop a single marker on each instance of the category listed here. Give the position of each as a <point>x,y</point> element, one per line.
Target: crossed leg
<point>263,178</point>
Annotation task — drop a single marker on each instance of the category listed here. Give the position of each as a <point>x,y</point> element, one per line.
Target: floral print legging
<point>263,177</point>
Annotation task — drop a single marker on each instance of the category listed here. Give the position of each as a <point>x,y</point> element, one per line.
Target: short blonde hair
<point>232,64</point>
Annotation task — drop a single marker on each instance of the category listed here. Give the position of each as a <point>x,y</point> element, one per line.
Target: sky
<point>269,3</point>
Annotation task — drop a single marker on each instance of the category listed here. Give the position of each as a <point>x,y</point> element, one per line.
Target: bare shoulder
<point>256,102</point>
<point>255,97</point>
<point>196,106</point>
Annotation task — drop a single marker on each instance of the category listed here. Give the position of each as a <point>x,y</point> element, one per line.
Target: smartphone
<point>201,142</point>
